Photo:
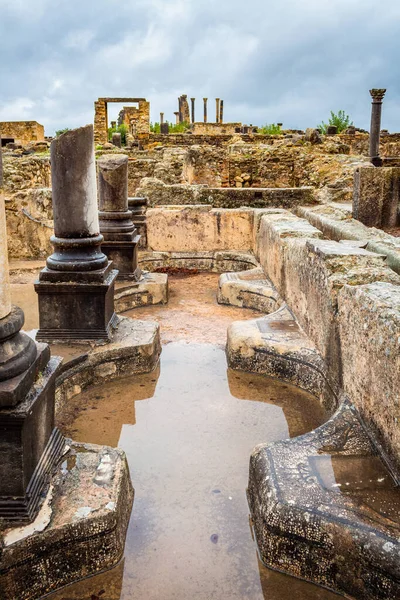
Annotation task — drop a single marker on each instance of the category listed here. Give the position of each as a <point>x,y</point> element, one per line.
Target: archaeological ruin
<point>199,358</point>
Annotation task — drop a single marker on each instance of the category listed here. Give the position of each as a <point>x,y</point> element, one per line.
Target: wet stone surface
<point>188,429</point>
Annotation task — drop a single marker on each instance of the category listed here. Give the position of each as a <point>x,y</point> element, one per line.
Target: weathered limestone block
<point>258,214</point>
<point>248,289</point>
<point>199,229</point>
<point>314,274</point>
<point>277,232</point>
<point>80,529</point>
<point>276,346</point>
<point>325,508</point>
<point>369,326</point>
<point>376,196</point>
<point>333,220</point>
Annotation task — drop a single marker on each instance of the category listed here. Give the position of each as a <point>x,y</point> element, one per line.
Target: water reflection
<point>188,431</point>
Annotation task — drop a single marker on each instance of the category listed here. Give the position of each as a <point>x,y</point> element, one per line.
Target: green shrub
<point>155,128</point>
<point>61,131</point>
<point>122,129</point>
<point>339,120</point>
<point>270,129</point>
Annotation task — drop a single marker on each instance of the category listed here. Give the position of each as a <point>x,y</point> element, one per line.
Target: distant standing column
<point>376,113</point>
<point>192,100</point>
<point>217,110</point>
<point>177,117</point>
<point>161,118</point>
<point>221,112</point>
<point>205,109</point>
<point>116,225</point>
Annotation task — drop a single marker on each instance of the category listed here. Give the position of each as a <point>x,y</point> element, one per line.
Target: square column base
<point>29,444</point>
<point>75,310</point>
<point>124,256</point>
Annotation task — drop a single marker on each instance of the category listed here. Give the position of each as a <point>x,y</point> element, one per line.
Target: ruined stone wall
<point>29,213</point>
<point>22,132</point>
<point>207,129</point>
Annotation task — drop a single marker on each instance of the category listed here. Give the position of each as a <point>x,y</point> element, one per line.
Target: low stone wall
<point>199,229</point>
<point>347,301</point>
<point>159,193</point>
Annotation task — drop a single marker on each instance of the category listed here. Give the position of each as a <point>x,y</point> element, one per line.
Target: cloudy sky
<point>283,60</point>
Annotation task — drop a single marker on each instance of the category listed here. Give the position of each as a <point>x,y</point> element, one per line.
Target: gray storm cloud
<point>290,61</point>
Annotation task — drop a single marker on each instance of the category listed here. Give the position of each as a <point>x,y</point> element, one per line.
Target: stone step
<point>276,346</point>
<point>325,508</point>
<point>248,289</point>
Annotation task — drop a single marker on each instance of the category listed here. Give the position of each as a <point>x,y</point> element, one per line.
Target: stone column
<point>177,117</point>
<point>113,124</point>
<point>76,289</point>
<point>221,111</point>
<point>29,443</point>
<point>116,225</point>
<point>376,113</point>
<point>161,118</point>
<point>217,110</point>
<point>205,109</point>
<point>192,100</point>
<point>116,140</point>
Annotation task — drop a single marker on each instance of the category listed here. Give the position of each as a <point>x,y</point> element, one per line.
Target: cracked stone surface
<point>80,529</point>
<point>325,508</point>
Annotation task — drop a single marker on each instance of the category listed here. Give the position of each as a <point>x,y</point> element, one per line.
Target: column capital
<point>377,94</point>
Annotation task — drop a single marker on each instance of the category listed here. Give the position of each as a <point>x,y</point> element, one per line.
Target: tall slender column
<point>161,118</point>
<point>177,117</point>
<point>221,112</point>
<point>29,443</point>
<point>376,113</point>
<point>76,289</point>
<point>217,110</point>
<point>116,225</point>
<point>205,109</point>
<point>192,100</point>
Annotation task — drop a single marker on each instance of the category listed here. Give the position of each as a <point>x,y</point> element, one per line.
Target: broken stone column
<point>184,115</point>
<point>376,113</point>
<point>221,111</point>
<point>30,445</point>
<point>193,100</point>
<point>76,288</point>
<point>217,110</point>
<point>116,140</point>
<point>205,109</point>
<point>120,235</point>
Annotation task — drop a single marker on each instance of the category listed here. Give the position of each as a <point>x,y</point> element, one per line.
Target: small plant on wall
<point>339,120</point>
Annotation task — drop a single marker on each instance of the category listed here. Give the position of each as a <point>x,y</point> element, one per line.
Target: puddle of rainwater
<point>188,430</point>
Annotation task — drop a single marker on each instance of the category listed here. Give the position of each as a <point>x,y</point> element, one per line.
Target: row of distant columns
<point>219,112</point>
